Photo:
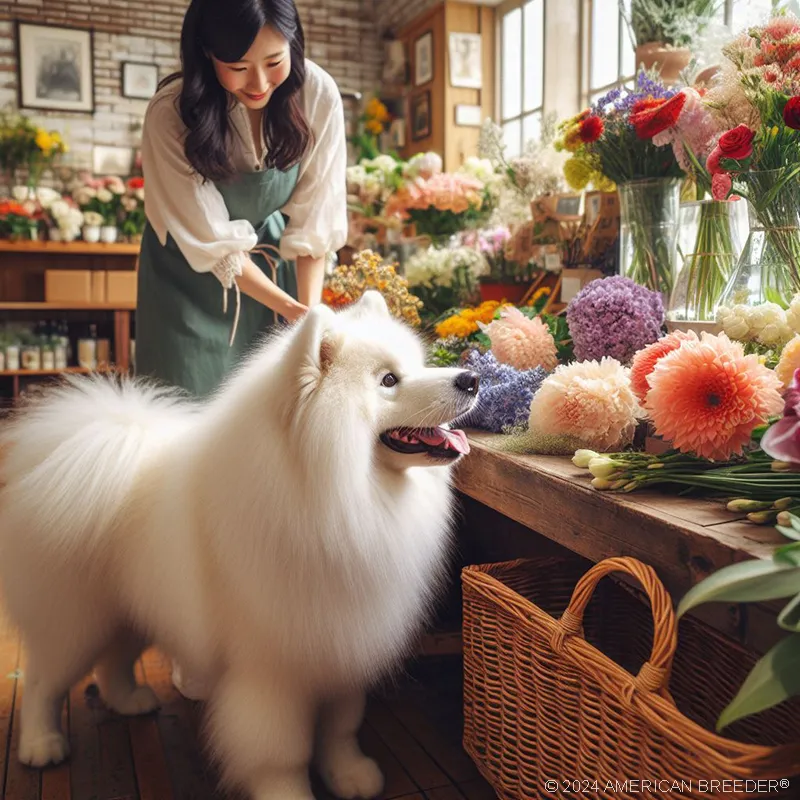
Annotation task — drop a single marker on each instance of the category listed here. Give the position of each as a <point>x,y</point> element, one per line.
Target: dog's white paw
<point>142,700</point>
<point>43,749</point>
<point>353,777</point>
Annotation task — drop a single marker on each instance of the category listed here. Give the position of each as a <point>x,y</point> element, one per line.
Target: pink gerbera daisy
<point>645,360</point>
<point>707,396</point>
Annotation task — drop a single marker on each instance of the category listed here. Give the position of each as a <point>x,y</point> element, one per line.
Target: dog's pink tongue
<point>456,440</point>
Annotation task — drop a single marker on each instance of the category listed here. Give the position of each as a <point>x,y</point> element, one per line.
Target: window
<point>611,55</point>
<point>521,74</point>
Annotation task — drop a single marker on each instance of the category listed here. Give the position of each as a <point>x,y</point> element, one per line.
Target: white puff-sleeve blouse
<point>179,203</point>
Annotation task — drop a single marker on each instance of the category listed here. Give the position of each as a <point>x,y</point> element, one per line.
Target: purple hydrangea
<point>614,317</point>
<point>505,395</point>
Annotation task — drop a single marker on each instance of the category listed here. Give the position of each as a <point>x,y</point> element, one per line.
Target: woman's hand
<point>254,283</point>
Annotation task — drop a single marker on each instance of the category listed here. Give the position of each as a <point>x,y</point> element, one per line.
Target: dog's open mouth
<point>436,442</point>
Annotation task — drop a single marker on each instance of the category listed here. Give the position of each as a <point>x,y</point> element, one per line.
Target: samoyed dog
<point>282,540</point>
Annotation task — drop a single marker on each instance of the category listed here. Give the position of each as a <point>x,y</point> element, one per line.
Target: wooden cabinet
<point>452,141</point>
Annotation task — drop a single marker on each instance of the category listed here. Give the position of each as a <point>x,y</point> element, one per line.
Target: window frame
<point>501,10</point>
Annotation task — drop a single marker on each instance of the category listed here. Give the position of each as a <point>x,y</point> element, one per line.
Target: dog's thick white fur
<point>269,539</point>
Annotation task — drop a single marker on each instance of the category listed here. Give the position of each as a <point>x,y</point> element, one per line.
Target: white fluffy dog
<point>283,541</point>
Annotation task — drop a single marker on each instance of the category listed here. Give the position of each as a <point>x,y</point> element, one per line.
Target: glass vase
<point>649,232</point>
<point>709,246</point>
<point>768,269</point>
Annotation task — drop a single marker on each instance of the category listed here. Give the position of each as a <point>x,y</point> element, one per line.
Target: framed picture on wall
<point>466,60</point>
<point>139,81</point>
<point>110,160</point>
<point>55,67</point>
<point>421,116</point>
<point>423,59</point>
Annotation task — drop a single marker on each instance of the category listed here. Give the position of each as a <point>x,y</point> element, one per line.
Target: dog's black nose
<point>468,382</point>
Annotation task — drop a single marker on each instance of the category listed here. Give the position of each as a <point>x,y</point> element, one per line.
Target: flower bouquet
<point>133,216</point>
<point>608,149</point>
<point>373,122</point>
<point>370,184</point>
<point>759,157</point>
<point>19,220</point>
<point>26,146</point>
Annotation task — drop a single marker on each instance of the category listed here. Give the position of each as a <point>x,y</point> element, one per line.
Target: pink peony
<point>521,342</point>
<point>721,185</point>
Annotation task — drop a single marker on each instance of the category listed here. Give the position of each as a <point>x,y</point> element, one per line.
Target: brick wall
<point>394,15</point>
<point>341,36</point>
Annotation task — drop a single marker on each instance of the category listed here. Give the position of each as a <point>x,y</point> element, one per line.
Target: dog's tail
<point>69,459</point>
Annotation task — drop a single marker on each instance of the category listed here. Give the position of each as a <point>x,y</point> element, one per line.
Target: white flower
<point>84,195</point>
<point>139,194</point>
<point>480,168</point>
<point>383,163</point>
<point>47,197</point>
<point>93,219</point>
<point>59,209</point>
<point>104,196</point>
<point>356,175</point>
<point>793,314</point>
<point>20,193</point>
<point>735,322</point>
<point>424,165</point>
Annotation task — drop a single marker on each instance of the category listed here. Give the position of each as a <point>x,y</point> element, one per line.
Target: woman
<point>244,158</point>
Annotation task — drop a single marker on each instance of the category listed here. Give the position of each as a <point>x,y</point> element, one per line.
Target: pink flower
<point>645,360</point>
<point>707,397</point>
<point>782,439</point>
<point>521,342</point>
<point>721,185</point>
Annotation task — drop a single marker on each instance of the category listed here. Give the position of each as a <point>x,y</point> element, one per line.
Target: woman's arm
<point>254,283</point>
<point>310,278</point>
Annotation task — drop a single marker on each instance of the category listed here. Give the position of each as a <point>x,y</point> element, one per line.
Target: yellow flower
<point>539,293</point>
<point>44,141</point>
<point>577,173</point>
<point>373,126</point>
<point>377,110</point>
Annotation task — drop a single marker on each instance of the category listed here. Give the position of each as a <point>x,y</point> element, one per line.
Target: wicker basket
<point>569,693</point>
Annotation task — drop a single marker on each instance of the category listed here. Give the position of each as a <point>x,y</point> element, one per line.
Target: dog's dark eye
<point>389,380</point>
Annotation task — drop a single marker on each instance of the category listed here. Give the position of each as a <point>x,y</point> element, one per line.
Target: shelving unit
<point>22,291</point>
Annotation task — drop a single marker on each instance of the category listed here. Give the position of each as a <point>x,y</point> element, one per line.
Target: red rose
<point>737,143</point>
<point>136,183</point>
<point>591,129</point>
<point>649,122</point>
<point>791,113</point>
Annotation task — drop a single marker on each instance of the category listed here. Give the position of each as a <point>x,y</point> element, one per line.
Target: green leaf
<point>744,582</point>
<point>788,554</point>
<point>789,618</point>
<point>774,678</point>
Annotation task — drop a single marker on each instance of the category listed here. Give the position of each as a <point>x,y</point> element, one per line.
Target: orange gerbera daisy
<point>707,396</point>
<point>645,360</point>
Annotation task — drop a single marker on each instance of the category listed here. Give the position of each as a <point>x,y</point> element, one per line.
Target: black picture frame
<point>32,39</point>
<point>420,121</point>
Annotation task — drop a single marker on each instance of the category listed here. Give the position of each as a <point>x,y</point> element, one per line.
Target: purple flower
<point>614,317</point>
<point>782,439</point>
<point>505,396</point>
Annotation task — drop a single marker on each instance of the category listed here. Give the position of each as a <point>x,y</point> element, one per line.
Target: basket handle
<point>654,674</point>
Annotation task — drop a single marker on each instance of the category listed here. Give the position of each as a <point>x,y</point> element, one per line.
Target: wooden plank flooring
<point>413,730</point>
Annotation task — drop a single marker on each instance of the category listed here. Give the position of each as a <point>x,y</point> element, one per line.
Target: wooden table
<point>683,539</point>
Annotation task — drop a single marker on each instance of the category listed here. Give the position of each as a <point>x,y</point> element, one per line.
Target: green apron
<point>182,333</point>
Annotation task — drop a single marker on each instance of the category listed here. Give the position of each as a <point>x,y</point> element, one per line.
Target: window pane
<point>750,12</point>
<point>532,127</point>
<point>534,53</point>
<point>605,42</point>
<point>512,63</point>
<point>512,138</point>
<point>628,60</point>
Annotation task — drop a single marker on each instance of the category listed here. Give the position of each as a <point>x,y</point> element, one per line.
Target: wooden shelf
<point>25,373</point>
<point>23,306</point>
<point>70,248</point>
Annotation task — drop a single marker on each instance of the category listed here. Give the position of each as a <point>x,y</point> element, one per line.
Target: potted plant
<point>663,32</point>
<point>133,217</point>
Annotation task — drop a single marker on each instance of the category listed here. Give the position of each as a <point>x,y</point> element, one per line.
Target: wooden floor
<point>413,730</point>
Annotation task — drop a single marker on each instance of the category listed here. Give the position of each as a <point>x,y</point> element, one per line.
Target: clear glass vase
<point>649,232</point>
<point>709,245</point>
<point>768,269</point>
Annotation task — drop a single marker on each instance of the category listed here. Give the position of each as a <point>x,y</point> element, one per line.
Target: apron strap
<point>264,250</point>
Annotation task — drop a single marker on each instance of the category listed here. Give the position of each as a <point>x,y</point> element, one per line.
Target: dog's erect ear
<point>315,343</point>
<point>372,302</point>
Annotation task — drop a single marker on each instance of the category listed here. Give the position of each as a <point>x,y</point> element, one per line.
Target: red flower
<point>737,143</point>
<point>136,183</point>
<point>712,162</point>
<point>651,121</point>
<point>791,113</point>
<point>591,129</point>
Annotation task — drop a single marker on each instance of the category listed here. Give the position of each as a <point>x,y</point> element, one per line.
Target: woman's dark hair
<point>226,29</point>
